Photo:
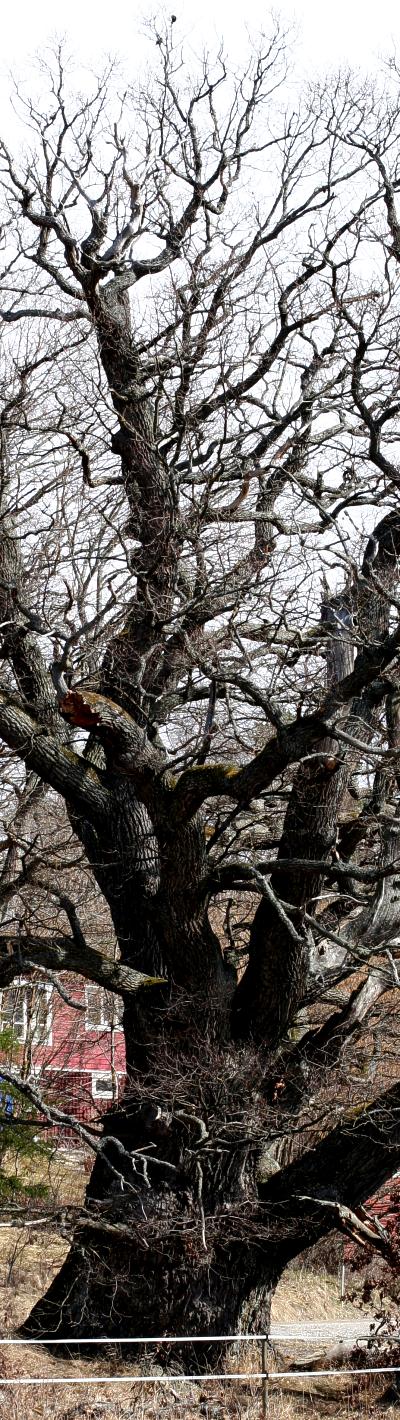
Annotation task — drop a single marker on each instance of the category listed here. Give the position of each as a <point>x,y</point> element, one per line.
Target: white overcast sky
<point>332,31</point>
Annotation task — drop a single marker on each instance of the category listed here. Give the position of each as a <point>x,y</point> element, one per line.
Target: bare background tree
<point>199,689</point>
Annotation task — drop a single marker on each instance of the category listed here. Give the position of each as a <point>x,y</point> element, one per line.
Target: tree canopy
<point>199,692</point>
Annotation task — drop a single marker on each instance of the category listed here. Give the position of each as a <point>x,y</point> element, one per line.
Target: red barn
<point>70,1035</point>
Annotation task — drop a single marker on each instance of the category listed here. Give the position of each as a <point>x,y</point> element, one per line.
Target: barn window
<point>26,1008</point>
<point>13,1011</point>
<point>103,1009</point>
<point>39,1012</point>
<point>102,1086</point>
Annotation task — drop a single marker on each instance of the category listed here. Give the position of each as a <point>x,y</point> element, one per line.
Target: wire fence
<point>264,1377</point>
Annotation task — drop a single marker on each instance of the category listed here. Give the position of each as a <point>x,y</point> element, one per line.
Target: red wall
<point>74,1046</point>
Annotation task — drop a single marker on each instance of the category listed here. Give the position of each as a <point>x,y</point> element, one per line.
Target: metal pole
<point>341,1275</point>
<point>264,1380</point>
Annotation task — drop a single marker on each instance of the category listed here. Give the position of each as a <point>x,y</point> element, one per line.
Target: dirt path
<point>357,1329</point>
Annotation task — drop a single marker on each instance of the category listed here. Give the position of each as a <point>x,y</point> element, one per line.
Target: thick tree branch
<point>348,1166</point>
<point>60,767</point>
<point>64,954</point>
<point>290,745</point>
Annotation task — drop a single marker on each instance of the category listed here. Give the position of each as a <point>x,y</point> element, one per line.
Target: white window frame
<point>38,1037</point>
<point>102,1094</point>
<point>5,1024</point>
<point>104,1024</point>
<point>44,1035</point>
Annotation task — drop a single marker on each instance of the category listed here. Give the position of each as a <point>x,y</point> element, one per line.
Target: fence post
<point>342,1276</point>
<point>264,1379</point>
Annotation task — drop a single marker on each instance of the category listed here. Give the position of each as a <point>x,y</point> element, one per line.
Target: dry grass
<point>230,1403</point>
<point>30,1258</point>
<point>312,1295</point>
<point>338,1397</point>
<point>65,1175</point>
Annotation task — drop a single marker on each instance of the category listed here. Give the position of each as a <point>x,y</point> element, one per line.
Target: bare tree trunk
<point>160,1251</point>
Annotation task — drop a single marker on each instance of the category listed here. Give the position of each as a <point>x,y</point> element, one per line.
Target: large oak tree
<point>199,551</point>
